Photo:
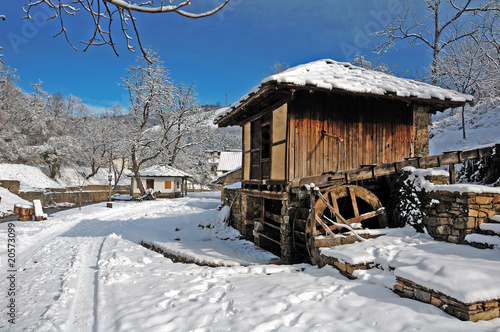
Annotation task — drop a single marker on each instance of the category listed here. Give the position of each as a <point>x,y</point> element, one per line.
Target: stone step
<point>483,241</point>
<point>489,229</point>
<point>495,219</point>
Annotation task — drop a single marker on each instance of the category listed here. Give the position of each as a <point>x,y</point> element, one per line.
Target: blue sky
<point>229,52</point>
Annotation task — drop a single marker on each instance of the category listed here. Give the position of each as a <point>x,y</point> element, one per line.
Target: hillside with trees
<point>164,123</point>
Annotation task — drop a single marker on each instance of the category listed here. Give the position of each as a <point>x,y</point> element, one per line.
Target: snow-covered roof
<point>332,75</point>
<point>229,160</point>
<point>218,180</point>
<point>163,171</point>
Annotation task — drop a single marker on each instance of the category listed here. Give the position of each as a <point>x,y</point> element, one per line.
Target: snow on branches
<point>165,117</point>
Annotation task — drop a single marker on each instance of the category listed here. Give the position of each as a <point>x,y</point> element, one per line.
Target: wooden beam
<point>269,224</point>
<point>274,217</point>
<point>267,237</point>
<point>266,194</point>
<point>364,173</point>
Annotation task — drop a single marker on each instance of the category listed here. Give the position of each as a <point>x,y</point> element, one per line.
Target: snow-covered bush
<point>483,171</point>
<point>408,200</point>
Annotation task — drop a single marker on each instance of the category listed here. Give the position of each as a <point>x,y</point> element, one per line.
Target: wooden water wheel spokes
<point>348,204</point>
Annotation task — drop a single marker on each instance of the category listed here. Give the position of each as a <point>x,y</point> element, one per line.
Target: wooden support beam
<point>451,170</point>
<point>274,217</point>
<point>269,224</point>
<point>268,238</point>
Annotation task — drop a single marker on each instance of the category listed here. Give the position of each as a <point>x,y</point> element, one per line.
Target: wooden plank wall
<point>373,132</point>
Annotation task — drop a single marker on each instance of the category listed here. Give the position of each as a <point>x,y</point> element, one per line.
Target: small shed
<point>312,124</point>
<point>167,181</point>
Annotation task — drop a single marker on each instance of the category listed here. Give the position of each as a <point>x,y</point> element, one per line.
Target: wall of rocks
<point>465,311</point>
<point>89,194</point>
<point>450,216</point>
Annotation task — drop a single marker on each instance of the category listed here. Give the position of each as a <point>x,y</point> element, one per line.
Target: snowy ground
<point>482,126</point>
<point>85,271</point>
<point>8,200</point>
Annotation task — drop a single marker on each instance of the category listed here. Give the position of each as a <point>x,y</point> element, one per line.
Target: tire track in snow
<point>84,306</point>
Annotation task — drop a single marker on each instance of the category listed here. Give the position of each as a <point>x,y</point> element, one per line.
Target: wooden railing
<point>377,170</point>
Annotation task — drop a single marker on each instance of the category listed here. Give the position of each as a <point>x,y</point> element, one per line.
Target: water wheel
<point>352,205</point>
<point>347,204</point>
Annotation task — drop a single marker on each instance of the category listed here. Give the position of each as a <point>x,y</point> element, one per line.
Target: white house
<point>164,180</point>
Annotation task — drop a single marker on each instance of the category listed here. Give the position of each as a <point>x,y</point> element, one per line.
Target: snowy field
<point>85,271</point>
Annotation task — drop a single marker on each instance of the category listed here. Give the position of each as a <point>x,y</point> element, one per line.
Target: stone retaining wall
<point>458,214</point>
<point>345,268</point>
<point>89,194</point>
<point>465,311</point>
<point>176,258</point>
<point>12,185</point>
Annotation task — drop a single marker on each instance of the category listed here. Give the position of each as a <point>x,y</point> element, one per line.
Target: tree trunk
<point>137,176</point>
<point>463,122</point>
<point>118,171</point>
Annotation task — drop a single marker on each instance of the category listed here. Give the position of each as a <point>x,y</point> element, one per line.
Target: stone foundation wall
<point>421,122</point>
<point>458,214</point>
<point>12,185</point>
<point>244,211</point>
<point>233,196</point>
<point>465,311</point>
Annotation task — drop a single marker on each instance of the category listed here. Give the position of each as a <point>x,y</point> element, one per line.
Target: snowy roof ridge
<point>332,75</point>
<point>163,170</point>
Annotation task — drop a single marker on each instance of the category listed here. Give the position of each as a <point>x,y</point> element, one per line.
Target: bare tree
<point>278,67</point>
<point>445,22</point>
<point>359,60</point>
<point>104,14</point>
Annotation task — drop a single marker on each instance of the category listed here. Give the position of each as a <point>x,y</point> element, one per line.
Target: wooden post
<point>452,173</point>
<point>313,213</point>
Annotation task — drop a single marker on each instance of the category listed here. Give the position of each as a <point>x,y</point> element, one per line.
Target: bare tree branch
<point>2,17</point>
<point>435,30</point>
<point>111,11</point>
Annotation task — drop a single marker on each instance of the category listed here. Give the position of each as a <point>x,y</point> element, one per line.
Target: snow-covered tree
<point>465,67</point>
<point>106,16</point>
<point>12,105</point>
<point>163,118</point>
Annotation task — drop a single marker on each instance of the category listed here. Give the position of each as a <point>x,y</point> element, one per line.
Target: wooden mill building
<point>314,122</point>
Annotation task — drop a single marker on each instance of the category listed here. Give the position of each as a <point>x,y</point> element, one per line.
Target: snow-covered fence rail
<point>378,170</point>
